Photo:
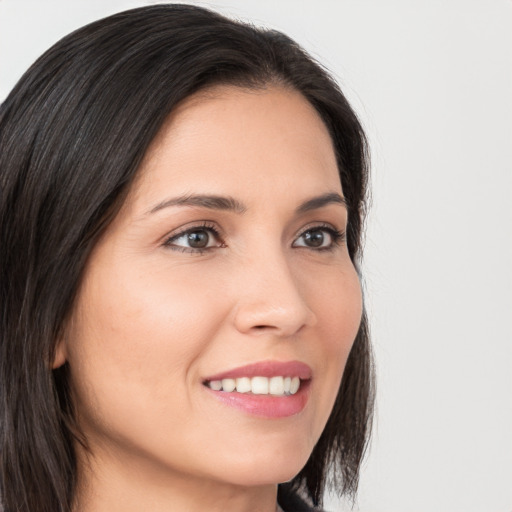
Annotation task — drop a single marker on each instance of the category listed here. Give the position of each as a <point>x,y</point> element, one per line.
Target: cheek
<point>339,310</point>
<point>135,339</point>
<point>337,300</point>
<point>343,315</point>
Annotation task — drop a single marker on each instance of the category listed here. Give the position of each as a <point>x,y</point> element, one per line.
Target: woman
<point>182,199</point>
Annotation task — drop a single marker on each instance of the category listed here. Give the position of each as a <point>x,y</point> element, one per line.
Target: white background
<point>431,82</point>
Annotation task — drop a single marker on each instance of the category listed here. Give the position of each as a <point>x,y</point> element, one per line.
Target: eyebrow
<point>318,202</point>
<point>202,201</point>
<point>213,202</point>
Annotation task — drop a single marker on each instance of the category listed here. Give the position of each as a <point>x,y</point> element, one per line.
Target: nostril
<point>281,317</point>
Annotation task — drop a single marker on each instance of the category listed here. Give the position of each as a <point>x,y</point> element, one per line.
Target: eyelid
<point>190,228</point>
<point>318,225</point>
<point>338,235</point>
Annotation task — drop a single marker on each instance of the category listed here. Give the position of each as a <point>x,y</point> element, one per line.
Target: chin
<point>274,467</point>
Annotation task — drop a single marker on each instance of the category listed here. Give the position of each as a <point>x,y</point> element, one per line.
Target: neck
<point>117,486</point>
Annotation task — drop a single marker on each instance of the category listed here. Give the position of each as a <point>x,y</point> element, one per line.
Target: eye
<point>195,239</point>
<point>320,238</point>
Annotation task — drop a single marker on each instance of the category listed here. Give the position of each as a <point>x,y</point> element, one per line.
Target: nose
<point>269,299</point>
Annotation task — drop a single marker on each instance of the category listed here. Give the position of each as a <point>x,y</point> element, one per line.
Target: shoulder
<point>290,501</point>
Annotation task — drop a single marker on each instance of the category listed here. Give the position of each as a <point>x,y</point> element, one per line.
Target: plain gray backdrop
<point>431,82</point>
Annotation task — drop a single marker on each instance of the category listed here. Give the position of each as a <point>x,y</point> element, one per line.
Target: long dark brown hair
<point>73,133</point>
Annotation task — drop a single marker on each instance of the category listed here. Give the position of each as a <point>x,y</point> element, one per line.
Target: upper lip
<point>266,369</point>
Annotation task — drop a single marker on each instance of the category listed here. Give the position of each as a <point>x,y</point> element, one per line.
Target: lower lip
<point>265,406</point>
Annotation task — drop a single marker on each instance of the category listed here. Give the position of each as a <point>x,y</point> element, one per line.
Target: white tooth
<point>294,385</point>
<point>287,382</point>
<point>228,385</point>
<point>276,386</point>
<point>216,385</point>
<point>259,385</point>
<point>243,385</point>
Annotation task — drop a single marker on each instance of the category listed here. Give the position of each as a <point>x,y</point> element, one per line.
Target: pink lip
<point>267,369</point>
<point>266,406</point>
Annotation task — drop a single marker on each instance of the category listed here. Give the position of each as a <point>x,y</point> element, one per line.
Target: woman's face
<point>227,261</point>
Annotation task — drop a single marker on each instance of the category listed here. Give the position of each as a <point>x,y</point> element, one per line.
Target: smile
<point>268,389</point>
<point>277,386</point>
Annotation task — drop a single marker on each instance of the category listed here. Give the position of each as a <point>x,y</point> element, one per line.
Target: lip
<point>267,369</point>
<point>265,406</point>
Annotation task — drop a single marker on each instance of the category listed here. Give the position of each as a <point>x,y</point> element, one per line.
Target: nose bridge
<point>270,298</point>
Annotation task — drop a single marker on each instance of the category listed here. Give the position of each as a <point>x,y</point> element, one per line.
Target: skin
<point>154,317</point>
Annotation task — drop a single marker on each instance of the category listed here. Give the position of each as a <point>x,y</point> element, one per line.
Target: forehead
<point>246,140</point>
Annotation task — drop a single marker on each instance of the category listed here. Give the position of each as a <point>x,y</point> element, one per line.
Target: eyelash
<point>205,226</point>
<point>337,237</point>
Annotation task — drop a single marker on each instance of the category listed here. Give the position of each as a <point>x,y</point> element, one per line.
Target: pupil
<point>314,238</point>
<point>198,239</point>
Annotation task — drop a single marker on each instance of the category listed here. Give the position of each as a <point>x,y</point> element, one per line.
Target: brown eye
<point>320,238</point>
<point>195,239</point>
<point>314,238</point>
<point>198,239</point>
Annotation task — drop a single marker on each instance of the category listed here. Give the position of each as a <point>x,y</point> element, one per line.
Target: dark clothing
<point>289,501</point>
